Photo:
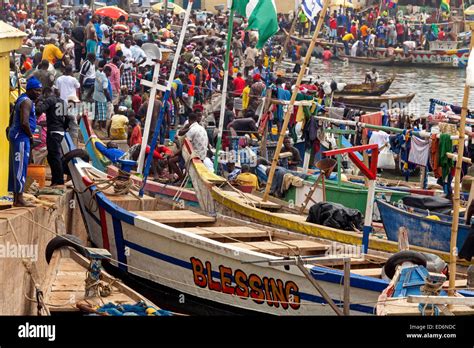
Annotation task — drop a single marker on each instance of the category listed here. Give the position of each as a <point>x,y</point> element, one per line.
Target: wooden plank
<point>293,217</point>
<point>301,245</point>
<point>175,216</point>
<point>460,283</point>
<point>51,274</point>
<point>246,197</point>
<point>446,300</point>
<point>368,272</point>
<point>230,231</point>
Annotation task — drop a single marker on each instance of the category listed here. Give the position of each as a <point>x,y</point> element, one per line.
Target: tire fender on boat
<point>82,154</point>
<point>59,242</point>
<point>399,258</point>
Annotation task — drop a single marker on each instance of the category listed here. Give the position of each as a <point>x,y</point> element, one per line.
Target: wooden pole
<point>287,41</point>
<point>45,13</point>
<point>230,30</point>
<point>306,62</point>
<point>457,184</point>
<point>347,286</point>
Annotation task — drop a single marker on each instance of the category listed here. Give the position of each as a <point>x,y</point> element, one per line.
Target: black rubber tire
<point>401,257</point>
<point>59,242</point>
<point>82,154</point>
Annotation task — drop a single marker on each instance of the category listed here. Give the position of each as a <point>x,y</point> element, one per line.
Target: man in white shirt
<point>67,85</point>
<point>197,135</point>
<point>138,55</point>
<point>127,77</point>
<point>372,76</point>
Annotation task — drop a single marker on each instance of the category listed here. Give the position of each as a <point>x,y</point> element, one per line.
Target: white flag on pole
<point>311,8</point>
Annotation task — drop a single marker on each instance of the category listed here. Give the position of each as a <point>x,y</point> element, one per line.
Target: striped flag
<point>445,7</point>
<point>261,15</point>
<point>311,8</point>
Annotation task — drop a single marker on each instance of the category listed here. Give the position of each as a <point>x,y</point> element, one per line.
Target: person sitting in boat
<point>372,76</point>
<point>295,158</point>
<point>246,178</point>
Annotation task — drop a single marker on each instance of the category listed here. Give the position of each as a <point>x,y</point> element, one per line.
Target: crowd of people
<point>94,66</point>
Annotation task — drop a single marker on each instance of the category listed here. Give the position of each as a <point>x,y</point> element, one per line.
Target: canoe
<point>422,232</point>
<point>375,89</point>
<point>388,61</point>
<point>435,59</point>
<point>350,195</point>
<point>64,288</point>
<point>215,197</point>
<point>370,103</point>
<point>98,159</point>
<point>212,264</point>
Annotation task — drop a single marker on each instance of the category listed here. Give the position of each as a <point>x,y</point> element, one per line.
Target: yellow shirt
<point>348,37</point>
<point>118,130</point>
<point>245,97</point>
<point>52,53</point>
<point>247,179</point>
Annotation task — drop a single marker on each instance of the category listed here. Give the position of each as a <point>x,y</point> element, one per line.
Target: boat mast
<point>289,112</point>
<point>166,96</point>
<point>287,40</point>
<point>230,30</point>
<point>457,182</point>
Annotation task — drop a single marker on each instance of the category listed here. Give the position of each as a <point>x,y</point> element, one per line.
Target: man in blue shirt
<point>20,134</point>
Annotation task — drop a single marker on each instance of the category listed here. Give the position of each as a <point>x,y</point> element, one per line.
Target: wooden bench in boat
<point>292,217</point>
<point>286,246</point>
<point>175,216</point>
<point>368,272</point>
<point>229,231</point>
<point>252,200</point>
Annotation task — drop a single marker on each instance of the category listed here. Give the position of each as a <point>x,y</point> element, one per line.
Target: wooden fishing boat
<point>66,283</point>
<point>373,89</point>
<point>422,231</point>
<point>414,291</point>
<point>386,61</point>
<point>218,264</point>
<point>403,61</point>
<point>453,58</point>
<point>90,138</point>
<point>99,161</point>
<point>387,101</point>
<point>216,196</point>
<point>348,194</point>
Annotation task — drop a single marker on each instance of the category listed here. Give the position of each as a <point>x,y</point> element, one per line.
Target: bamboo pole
<point>230,30</point>
<point>45,13</point>
<point>457,184</point>
<point>287,41</point>
<point>306,62</point>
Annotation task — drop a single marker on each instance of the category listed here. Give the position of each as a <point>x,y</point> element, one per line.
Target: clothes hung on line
<point>420,150</point>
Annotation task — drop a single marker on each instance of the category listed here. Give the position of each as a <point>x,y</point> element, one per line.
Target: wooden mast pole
<point>287,40</point>
<point>306,62</point>
<point>457,182</point>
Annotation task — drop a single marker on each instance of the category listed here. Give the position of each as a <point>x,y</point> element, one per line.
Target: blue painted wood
<point>422,232</point>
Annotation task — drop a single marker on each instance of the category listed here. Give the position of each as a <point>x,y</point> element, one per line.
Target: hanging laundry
<point>434,157</point>
<point>445,146</point>
<point>282,94</point>
<point>420,150</point>
<point>374,119</point>
<point>380,138</point>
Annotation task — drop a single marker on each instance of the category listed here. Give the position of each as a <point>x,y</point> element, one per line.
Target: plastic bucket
<point>37,172</point>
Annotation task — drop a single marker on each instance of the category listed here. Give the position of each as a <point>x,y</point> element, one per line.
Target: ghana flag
<point>445,6</point>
